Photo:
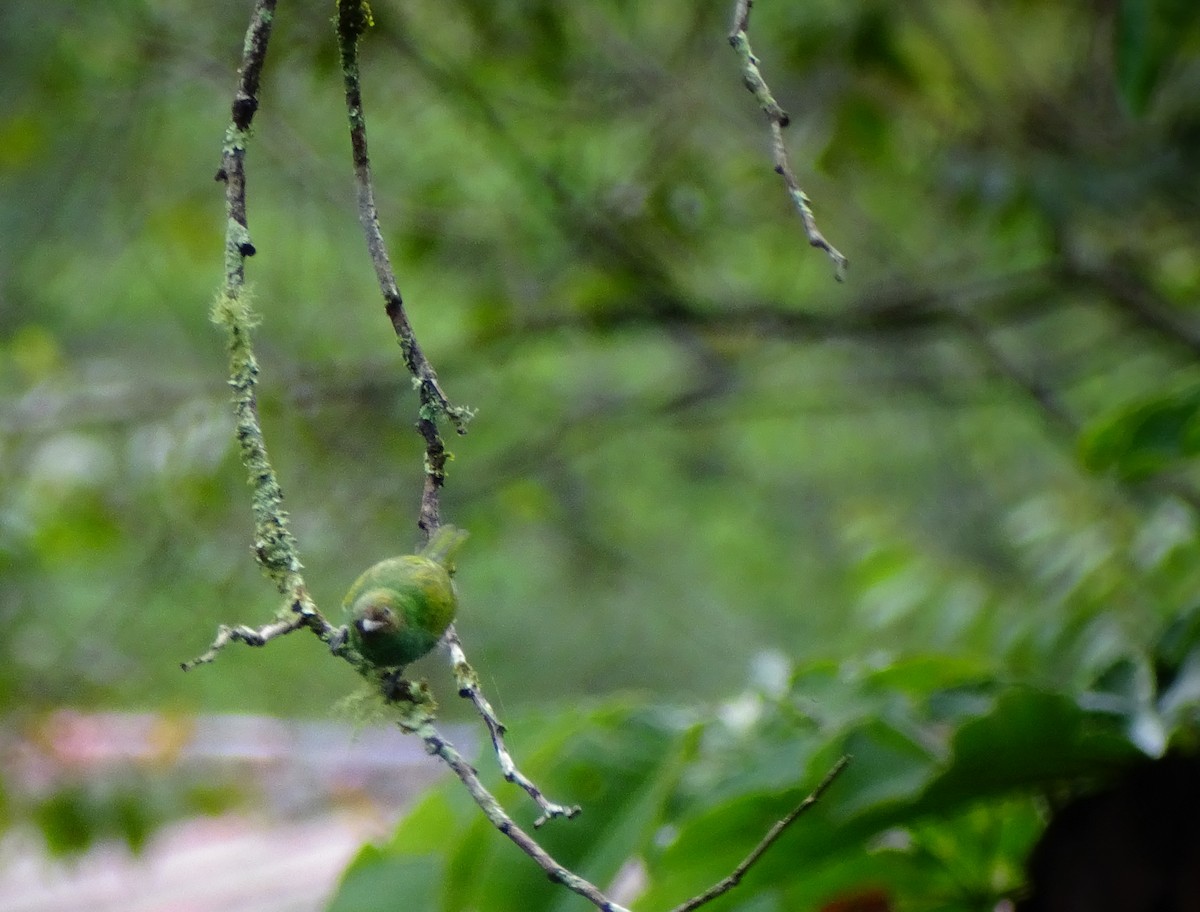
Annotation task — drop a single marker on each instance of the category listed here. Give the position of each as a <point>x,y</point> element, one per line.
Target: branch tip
<point>778,119</point>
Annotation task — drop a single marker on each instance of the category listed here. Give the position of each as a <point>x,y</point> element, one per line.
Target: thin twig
<point>304,614</point>
<point>777,119</point>
<point>468,687</point>
<point>735,877</point>
<point>233,153</point>
<point>354,18</point>
<point>417,717</point>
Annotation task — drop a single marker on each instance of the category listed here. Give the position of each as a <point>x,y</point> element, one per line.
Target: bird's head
<point>376,617</point>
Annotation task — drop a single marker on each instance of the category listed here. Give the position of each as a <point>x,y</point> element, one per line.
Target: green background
<point>699,464</point>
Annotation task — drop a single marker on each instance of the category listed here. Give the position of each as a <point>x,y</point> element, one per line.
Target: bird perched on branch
<point>398,610</point>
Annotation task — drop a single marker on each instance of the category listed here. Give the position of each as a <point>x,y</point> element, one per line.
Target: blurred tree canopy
<point>948,505</point>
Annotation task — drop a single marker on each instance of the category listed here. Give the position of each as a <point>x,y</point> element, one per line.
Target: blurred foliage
<point>938,809</point>
<point>959,491</point>
<point>126,808</point>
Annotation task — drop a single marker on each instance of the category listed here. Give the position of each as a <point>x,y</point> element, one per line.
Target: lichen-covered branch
<point>353,19</point>
<point>302,614</point>
<point>274,546</point>
<point>777,119</point>
<point>468,687</point>
<point>238,245</point>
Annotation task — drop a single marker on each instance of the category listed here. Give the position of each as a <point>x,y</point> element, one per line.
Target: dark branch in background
<point>1133,295</point>
<point>586,224</point>
<point>890,309</point>
<point>777,119</point>
<point>1058,414</point>
<point>1048,401</point>
<point>353,19</point>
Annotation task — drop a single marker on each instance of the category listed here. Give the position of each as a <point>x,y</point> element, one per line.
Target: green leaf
<point>622,762</point>
<point>433,823</point>
<point>1146,437</point>
<point>1031,739</point>
<point>888,772</point>
<point>887,767</point>
<point>68,820</point>
<point>381,881</point>
<point>1148,35</point>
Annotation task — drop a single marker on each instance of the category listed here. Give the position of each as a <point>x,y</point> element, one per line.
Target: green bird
<point>399,609</point>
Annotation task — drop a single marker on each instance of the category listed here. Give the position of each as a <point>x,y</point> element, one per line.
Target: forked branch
<point>275,547</point>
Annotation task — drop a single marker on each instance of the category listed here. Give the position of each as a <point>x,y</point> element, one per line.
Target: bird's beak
<point>367,625</point>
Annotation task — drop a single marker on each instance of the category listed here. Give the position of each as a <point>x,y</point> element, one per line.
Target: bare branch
<point>354,18</point>
<point>735,877</point>
<point>416,709</point>
<point>303,613</point>
<point>777,119</point>
<point>468,687</point>
<point>232,171</point>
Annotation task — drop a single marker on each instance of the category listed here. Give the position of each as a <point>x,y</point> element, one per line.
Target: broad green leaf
<point>432,823</point>
<point>1145,437</point>
<point>621,762</point>
<point>888,771</point>
<point>1149,33</point>
<point>1030,740</point>
<point>887,767</point>
<point>923,675</point>
<point>382,881</point>
<point>906,779</point>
